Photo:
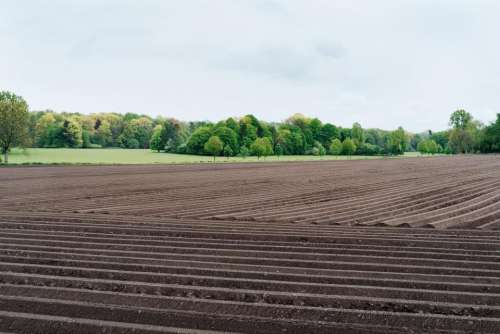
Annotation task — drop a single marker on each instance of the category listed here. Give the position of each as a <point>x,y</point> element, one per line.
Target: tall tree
<point>463,134</point>
<point>14,121</point>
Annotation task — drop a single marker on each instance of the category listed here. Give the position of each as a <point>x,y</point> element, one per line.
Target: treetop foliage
<point>297,135</point>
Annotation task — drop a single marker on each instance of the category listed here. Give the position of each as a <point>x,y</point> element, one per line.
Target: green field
<point>129,156</point>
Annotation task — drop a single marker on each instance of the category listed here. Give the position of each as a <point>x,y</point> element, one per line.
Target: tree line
<point>243,136</point>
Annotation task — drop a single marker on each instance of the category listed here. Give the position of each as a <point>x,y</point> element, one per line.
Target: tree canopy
<point>297,135</point>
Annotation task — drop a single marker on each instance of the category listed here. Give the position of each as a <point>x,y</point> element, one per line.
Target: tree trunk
<point>6,157</point>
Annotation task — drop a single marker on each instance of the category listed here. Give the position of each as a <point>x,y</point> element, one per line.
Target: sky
<point>383,63</point>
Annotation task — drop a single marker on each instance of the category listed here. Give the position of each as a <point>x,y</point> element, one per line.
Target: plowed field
<point>373,246</point>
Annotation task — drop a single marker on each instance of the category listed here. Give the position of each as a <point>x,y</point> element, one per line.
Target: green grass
<point>127,156</point>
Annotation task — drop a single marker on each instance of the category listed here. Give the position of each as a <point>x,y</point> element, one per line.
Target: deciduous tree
<point>213,146</point>
<point>14,118</point>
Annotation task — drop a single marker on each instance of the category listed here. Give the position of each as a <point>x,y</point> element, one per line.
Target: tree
<point>137,133</point>
<point>228,137</point>
<point>172,135</point>
<point>327,133</point>
<point>348,147</point>
<point>357,134</point>
<point>71,134</point>
<point>315,126</point>
<point>14,118</point>
<point>213,146</point>
<point>490,141</point>
<point>427,146</point>
<point>261,147</point>
<point>228,151</point>
<point>156,141</point>
<point>46,130</point>
<point>278,150</point>
<point>102,135</point>
<point>196,142</point>
<point>336,147</point>
<point>397,141</point>
<point>461,141</point>
<point>85,139</point>
<point>244,152</point>
<point>464,134</point>
<point>460,119</point>
<point>318,149</point>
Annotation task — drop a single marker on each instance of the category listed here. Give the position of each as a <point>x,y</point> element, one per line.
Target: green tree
<point>244,152</point>
<point>102,133</point>
<point>172,135</point>
<point>14,121</point>
<point>137,133</point>
<point>464,134</point>
<point>45,129</point>
<point>261,147</point>
<point>315,126</point>
<point>86,139</point>
<point>327,134</point>
<point>357,134</point>
<point>196,142</point>
<point>490,141</point>
<point>397,142</point>
<point>432,146</point>
<point>213,146</point>
<point>422,147</point>
<point>427,146</point>
<point>228,151</point>
<point>156,139</point>
<point>348,147</point>
<point>278,150</point>
<point>228,137</point>
<point>318,149</point>
<point>336,147</point>
<point>460,119</point>
<point>71,134</point>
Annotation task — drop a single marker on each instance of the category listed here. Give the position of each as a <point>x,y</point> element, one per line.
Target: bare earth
<point>371,246</point>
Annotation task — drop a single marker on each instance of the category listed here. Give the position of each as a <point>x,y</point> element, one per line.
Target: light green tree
<point>72,133</point>
<point>336,147</point>
<point>213,146</point>
<point>14,121</point>
<point>428,146</point>
<point>261,147</point>
<point>348,147</point>
<point>156,140</point>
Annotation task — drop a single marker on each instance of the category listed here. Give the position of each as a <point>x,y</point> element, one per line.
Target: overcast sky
<point>383,63</point>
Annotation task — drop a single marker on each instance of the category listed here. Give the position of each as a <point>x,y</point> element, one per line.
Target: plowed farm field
<point>370,246</point>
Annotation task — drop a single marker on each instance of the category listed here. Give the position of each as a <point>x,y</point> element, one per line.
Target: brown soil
<point>253,248</point>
